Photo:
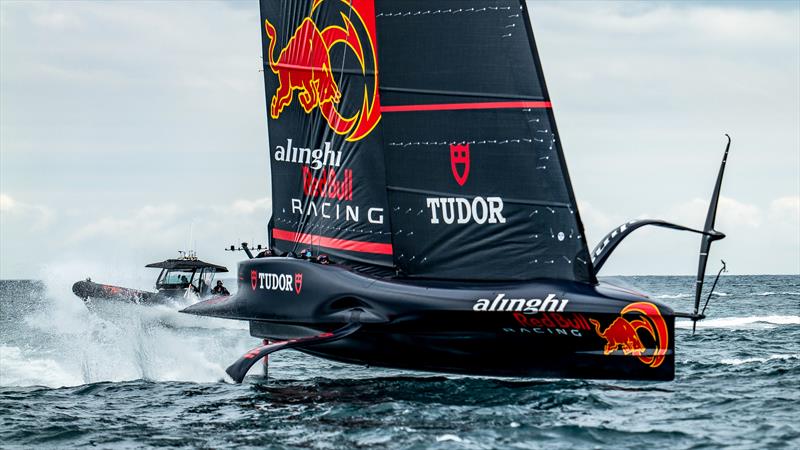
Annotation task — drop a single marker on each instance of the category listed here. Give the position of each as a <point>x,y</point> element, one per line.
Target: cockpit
<point>180,275</point>
<point>199,280</point>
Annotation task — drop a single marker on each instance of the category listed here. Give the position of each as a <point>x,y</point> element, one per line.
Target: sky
<point>132,130</point>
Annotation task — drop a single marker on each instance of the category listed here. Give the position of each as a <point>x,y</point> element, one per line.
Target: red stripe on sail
<point>458,106</point>
<point>339,244</point>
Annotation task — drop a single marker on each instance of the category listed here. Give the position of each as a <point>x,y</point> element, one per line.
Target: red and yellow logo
<point>627,335</point>
<point>304,65</point>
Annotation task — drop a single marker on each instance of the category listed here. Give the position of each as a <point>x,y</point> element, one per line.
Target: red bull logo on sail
<point>304,68</point>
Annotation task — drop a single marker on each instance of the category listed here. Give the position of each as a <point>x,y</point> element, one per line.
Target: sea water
<point>128,376</point>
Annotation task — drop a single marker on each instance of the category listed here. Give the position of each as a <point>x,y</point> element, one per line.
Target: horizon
<point>600,277</point>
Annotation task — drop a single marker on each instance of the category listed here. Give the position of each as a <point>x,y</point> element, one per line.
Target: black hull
<point>600,332</point>
<point>90,291</point>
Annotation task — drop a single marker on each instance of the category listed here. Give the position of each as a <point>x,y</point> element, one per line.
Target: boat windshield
<point>206,277</point>
<point>199,279</point>
<point>175,278</point>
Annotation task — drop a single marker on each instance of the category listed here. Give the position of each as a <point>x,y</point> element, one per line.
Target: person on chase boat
<point>219,289</point>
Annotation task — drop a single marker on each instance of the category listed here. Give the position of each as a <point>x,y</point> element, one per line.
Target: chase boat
<point>423,216</point>
<point>183,277</point>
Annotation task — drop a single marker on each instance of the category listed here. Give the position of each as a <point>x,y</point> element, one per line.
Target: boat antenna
<point>246,248</point>
<point>709,235</point>
<point>191,237</point>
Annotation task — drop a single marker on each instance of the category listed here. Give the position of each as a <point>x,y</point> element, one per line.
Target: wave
<point>742,322</point>
<point>673,296</point>
<point>769,293</point>
<point>740,361</point>
<point>725,294</point>
<point>21,369</point>
<point>53,340</point>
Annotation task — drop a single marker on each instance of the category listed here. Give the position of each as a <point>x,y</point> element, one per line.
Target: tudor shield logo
<point>253,279</point>
<point>459,162</point>
<point>298,282</point>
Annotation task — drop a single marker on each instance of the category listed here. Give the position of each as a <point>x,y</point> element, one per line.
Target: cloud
<point>786,210</point>
<point>723,23</point>
<point>56,20</point>
<point>752,230</point>
<point>6,202</point>
<point>170,223</point>
<point>151,222</point>
<point>31,216</point>
<point>250,206</point>
<point>729,212</point>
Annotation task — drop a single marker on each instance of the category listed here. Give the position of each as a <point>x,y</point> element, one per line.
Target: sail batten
<point>450,93</point>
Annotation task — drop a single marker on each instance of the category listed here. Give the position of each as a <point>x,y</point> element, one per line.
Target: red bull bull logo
<point>304,68</point>
<point>626,335</point>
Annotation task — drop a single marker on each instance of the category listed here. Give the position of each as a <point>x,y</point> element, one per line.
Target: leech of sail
<point>462,106</point>
<point>339,244</point>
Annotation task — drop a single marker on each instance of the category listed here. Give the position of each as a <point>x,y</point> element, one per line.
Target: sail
<point>476,178</point>
<point>326,156</point>
<point>417,135</point>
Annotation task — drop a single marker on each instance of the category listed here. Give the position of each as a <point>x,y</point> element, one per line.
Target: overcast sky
<point>127,127</point>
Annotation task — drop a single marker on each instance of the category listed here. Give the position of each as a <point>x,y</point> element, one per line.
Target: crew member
<point>219,289</point>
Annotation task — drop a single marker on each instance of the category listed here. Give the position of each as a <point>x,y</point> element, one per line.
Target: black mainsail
<point>440,160</point>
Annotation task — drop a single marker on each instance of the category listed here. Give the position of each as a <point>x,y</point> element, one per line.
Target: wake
<point>56,341</point>
<point>742,322</point>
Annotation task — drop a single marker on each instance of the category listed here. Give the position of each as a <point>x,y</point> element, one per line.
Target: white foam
<point>448,438</point>
<point>673,296</point>
<point>725,294</point>
<point>19,368</point>
<point>742,322</point>
<point>737,361</point>
<point>61,343</point>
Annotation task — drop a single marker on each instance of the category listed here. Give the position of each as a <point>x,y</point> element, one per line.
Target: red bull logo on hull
<point>626,335</point>
<point>304,68</point>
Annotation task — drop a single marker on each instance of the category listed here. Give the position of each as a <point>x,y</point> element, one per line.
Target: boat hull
<point>88,290</point>
<point>542,328</point>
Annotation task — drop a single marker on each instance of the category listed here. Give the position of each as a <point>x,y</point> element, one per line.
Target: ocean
<point>129,376</point>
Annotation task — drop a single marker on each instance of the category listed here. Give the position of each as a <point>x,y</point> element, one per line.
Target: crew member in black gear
<point>219,289</point>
